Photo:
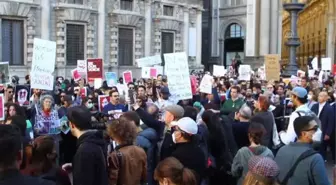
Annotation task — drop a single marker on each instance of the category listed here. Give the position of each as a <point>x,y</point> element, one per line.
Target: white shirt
<point>290,135</point>
<point>321,105</point>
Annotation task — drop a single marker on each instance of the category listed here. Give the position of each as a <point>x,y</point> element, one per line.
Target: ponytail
<point>188,177</point>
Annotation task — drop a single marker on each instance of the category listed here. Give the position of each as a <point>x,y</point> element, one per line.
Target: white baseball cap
<point>187,125</point>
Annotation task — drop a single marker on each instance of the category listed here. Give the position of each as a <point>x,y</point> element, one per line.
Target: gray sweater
<point>309,171</point>
<point>239,166</point>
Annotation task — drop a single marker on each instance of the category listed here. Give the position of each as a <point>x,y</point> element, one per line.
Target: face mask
<point>254,92</point>
<point>173,137</point>
<point>89,106</point>
<point>334,95</point>
<point>309,97</point>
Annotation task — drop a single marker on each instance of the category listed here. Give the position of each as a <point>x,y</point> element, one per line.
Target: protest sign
<point>311,73</point>
<point>300,73</point>
<point>326,64</point>
<point>315,63</point>
<point>22,95</point>
<point>320,77</point>
<point>75,74</point>
<point>103,100</point>
<point>272,67</point>
<point>334,69</point>
<point>41,80</point>
<point>82,66</point>
<point>218,70</point>
<point>149,72</point>
<point>2,107</point>
<point>194,84</point>
<point>83,92</point>
<point>244,72</point>
<point>177,71</point>
<point>206,84</point>
<point>64,125</point>
<point>149,61</point>
<point>94,69</point>
<point>111,79</point>
<point>127,76</point>
<point>159,70</point>
<point>97,83</point>
<point>4,73</point>
<point>44,56</point>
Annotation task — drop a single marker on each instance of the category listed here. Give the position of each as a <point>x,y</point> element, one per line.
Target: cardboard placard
<point>272,67</point>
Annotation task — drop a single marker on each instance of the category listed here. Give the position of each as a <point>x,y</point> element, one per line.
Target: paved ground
<point>329,167</point>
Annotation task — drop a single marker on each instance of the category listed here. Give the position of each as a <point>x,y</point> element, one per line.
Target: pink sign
<point>75,74</point>
<point>153,72</point>
<point>127,75</point>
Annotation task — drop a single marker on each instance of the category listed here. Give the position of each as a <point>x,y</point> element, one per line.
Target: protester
<point>11,157</point>
<point>89,163</point>
<point>261,171</point>
<point>239,169</point>
<point>127,164</point>
<point>171,172</point>
<point>241,125</point>
<point>297,161</point>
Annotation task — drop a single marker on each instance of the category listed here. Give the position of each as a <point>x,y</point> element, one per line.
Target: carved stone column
<point>148,28</point>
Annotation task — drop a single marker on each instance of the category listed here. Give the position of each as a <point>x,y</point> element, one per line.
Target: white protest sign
<point>320,77</point>
<point>300,73</point>
<point>177,71</point>
<point>206,84</point>
<point>44,56</point>
<point>244,72</point>
<point>311,73</point>
<point>82,66</point>
<point>326,64</point>
<point>149,61</point>
<point>314,63</point>
<point>97,83</point>
<point>218,70</point>
<point>40,80</point>
<point>159,70</point>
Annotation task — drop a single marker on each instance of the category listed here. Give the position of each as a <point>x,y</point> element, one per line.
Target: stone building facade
<point>119,31</point>
<point>245,30</point>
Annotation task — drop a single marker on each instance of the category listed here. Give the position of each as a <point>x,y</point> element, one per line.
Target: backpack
<point>290,173</point>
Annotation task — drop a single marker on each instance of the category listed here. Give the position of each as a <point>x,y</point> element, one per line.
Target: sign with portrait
<point>103,100</point>
<point>22,95</point>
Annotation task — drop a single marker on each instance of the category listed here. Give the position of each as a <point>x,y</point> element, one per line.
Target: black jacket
<point>89,163</point>
<point>192,157</point>
<point>13,177</point>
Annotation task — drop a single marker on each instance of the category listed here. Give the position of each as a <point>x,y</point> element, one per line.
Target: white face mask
<point>334,95</point>
<point>173,137</point>
<point>309,97</point>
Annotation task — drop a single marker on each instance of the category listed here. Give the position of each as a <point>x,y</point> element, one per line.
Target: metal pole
<point>293,7</point>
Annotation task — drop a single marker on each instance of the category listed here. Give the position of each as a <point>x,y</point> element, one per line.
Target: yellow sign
<point>272,67</point>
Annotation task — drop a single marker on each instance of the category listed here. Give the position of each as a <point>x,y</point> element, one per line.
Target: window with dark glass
<point>75,1</point>
<point>168,10</point>
<point>167,42</point>
<point>126,5</point>
<point>125,47</point>
<point>75,43</point>
<point>12,41</point>
<point>234,31</point>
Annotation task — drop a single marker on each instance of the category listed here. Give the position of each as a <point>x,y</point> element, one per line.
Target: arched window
<point>234,31</point>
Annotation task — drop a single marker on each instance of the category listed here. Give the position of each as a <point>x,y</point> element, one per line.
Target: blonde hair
<point>254,179</point>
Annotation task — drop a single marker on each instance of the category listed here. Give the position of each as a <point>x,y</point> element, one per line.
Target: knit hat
<point>175,110</point>
<point>263,166</point>
<point>197,105</point>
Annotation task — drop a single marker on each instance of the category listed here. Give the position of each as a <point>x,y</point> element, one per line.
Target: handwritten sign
<point>218,70</point>
<point>97,83</point>
<point>43,81</point>
<point>177,71</point>
<point>206,84</point>
<point>315,63</point>
<point>326,64</point>
<point>149,61</point>
<point>244,72</point>
<point>111,79</point>
<point>82,66</point>
<point>44,56</point>
<point>159,70</point>
<point>272,67</point>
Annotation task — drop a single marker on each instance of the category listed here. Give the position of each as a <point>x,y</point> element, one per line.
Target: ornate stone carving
<point>158,9</point>
<point>77,14</point>
<point>116,5</point>
<point>179,13</point>
<point>14,9</point>
<point>136,6</point>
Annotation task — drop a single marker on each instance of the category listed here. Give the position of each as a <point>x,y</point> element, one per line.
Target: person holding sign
<point>114,106</point>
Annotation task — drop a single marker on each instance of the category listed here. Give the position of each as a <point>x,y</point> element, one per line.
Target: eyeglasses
<point>315,128</point>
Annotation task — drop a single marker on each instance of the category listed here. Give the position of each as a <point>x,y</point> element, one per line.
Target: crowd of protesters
<point>244,133</point>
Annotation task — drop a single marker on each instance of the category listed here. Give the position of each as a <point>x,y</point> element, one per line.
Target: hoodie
<point>239,166</point>
<point>89,162</point>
